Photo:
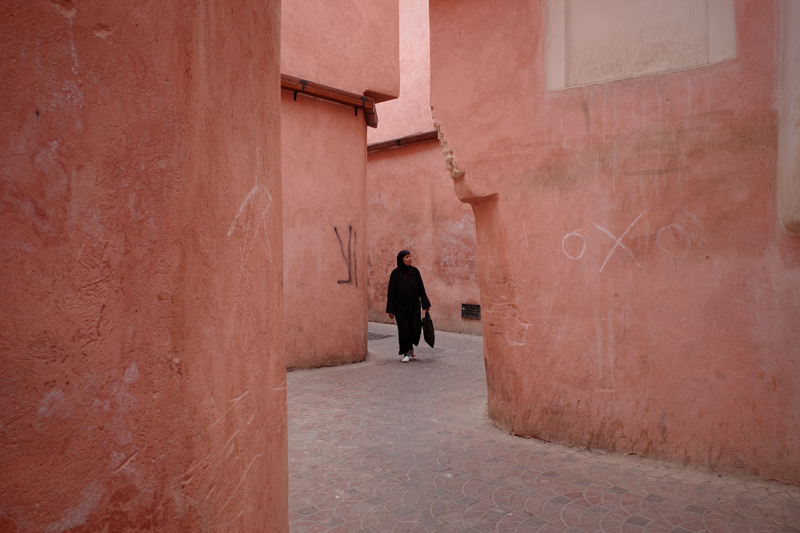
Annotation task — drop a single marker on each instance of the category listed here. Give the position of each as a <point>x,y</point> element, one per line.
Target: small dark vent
<point>471,311</point>
<point>377,336</point>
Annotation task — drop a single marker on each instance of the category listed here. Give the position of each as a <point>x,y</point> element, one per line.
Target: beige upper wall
<point>346,44</point>
<point>411,113</point>
<point>592,41</point>
<point>789,125</point>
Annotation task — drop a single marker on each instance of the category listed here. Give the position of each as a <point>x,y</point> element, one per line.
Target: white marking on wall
<point>521,333</point>
<point>618,241</point>
<point>257,195</point>
<point>525,233</point>
<point>127,463</point>
<point>53,405</point>
<point>132,374</point>
<point>670,227</point>
<point>515,342</point>
<point>241,480</point>
<point>78,515</point>
<point>245,203</point>
<point>575,233</point>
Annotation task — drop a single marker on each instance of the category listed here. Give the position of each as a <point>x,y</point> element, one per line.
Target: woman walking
<point>406,291</point>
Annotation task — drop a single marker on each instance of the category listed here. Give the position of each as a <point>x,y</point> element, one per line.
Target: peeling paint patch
<point>449,157</point>
<point>118,429</point>
<point>53,405</point>
<point>79,514</point>
<point>65,7</point>
<point>456,250</point>
<point>125,400</point>
<point>102,30</point>
<point>132,374</point>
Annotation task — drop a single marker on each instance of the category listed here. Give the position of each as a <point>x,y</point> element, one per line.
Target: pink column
<point>143,382</point>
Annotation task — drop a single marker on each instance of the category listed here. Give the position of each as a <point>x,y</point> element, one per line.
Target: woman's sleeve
<point>422,294</point>
<point>390,294</point>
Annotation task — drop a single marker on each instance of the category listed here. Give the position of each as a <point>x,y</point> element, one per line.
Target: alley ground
<point>385,446</point>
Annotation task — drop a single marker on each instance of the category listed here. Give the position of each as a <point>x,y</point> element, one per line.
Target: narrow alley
<point>383,446</point>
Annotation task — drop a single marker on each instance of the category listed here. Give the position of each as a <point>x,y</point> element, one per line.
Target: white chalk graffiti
<point>258,189</point>
<point>672,239</point>
<point>257,195</point>
<point>575,233</point>
<point>618,241</point>
<point>525,234</point>
<point>259,201</point>
<point>672,228</point>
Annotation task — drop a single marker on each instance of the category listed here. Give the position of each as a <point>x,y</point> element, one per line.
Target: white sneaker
<point>405,359</point>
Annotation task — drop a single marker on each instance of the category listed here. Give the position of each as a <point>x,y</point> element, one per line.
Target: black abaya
<point>406,290</point>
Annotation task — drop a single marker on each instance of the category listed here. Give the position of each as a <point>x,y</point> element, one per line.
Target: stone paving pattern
<point>385,446</point>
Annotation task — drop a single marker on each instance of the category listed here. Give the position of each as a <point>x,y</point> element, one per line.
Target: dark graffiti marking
<point>350,256</point>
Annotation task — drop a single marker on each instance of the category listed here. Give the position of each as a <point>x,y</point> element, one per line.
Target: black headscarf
<point>402,266</point>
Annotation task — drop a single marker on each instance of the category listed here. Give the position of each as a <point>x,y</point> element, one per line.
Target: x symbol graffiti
<point>618,241</point>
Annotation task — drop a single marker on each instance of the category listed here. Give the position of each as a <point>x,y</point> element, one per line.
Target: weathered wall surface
<point>143,382</point>
<point>411,112</point>
<point>324,164</point>
<point>412,207</point>
<point>410,194</point>
<point>638,293</point>
<point>349,45</point>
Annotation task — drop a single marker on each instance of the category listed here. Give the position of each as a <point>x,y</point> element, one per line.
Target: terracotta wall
<point>639,294</point>
<point>325,168</point>
<point>143,382</point>
<point>349,45</point>
<point>324,164</point>
<point>411,111</point>
<point>410,194</point>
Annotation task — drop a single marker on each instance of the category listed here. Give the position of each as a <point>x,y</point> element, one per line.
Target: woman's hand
<point>391,315</point>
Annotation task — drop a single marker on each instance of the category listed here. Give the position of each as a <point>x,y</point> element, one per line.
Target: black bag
<point>427,329</point>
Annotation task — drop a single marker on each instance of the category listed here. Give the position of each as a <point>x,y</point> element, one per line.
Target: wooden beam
<point>402,141</point>
<point>332,94</point>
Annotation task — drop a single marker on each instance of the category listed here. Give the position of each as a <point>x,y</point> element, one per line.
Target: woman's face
<point>407,260</point>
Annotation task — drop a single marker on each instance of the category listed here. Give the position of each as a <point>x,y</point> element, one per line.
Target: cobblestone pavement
<point>386,446</point>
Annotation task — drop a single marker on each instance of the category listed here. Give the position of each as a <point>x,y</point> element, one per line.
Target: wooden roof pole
<point>402,141</point>
<point>317,90</point>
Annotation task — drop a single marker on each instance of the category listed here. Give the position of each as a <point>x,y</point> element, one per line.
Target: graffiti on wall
<point>618,241</point>
<point>672,239</point>
<point>350,256</point>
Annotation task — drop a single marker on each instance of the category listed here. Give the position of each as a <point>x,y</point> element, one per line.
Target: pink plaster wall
<point>324,192</point>
<point>351,46</point>
<point>411,112</point>
<point>143,382</point>
<point>638,292</point>
<point>412,206</point>
<point>346,44</point>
